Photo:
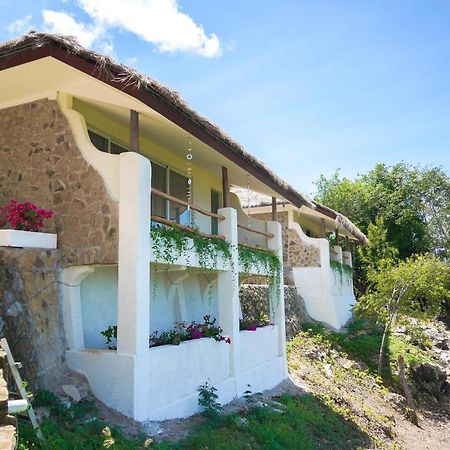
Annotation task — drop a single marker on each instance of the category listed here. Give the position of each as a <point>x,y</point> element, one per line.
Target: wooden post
<point>323,233</point>
<point>347,244</point>
<point>134,131</point>
<point>225,188</point>
<point>336,235</point>
<point>274,208</point>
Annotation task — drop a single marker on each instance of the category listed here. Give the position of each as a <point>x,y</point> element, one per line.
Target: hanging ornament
<point>189,157</point>
<point>248,199</point>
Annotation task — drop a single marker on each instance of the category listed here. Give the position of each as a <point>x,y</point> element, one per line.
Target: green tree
<point>414,203</point>
<point>415,287</point>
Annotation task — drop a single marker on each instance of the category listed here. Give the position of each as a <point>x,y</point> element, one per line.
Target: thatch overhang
<point>165,101</point>
<point>252,199</point>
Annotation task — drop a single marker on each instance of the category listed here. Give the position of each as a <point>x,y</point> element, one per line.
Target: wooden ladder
<point>13,365</point>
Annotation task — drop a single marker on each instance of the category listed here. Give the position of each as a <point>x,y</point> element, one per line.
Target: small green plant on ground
<point>208,400</point>
<point>71,428</point>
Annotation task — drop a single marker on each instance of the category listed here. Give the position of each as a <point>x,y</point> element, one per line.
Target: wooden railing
<point>186,204</point>
<point>172,224</point>
<point>252,230</point>
<point>178,201</point>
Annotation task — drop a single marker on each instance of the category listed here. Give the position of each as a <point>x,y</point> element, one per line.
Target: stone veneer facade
<point>296,253</point>
<point>40,162</point>
<point>30,313</point>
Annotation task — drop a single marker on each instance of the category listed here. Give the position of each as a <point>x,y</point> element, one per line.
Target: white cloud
<point>159,22</point>
<point>60,22</point>
<point>88,35</point>
<point>20,25</point>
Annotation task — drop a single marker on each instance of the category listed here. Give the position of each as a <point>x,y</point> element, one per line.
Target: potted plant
<point>24,222</point>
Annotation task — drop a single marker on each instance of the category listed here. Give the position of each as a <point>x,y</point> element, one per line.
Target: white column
<point>338,253</point>
<point>134,271</point>
<point>228,286</point>
<point>72,312</point>
<point>277,292</point>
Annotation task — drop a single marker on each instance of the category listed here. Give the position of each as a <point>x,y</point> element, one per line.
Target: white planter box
<point>30,239</point>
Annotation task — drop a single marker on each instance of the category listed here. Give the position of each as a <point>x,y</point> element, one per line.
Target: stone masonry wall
<point>40,162</point>
<point>7,422</point>
<point>296,253</point>
<point>255,303</point>
<point>30,313</point>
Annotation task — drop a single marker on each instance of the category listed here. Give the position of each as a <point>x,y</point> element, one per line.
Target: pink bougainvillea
<point>25,216</point>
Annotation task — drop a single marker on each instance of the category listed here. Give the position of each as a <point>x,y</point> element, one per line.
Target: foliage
<point>362,343</point>
<point>25,216</point>
<point>208,400</point>
<point>341,269</point>
<point>404,210</point>
<point>252,325</point>
<point>170,243</point>
<point>264,259</point>
<point>415,287</point>
<point>186,332</point>
<point>110,333</point>
<point>71,428</point>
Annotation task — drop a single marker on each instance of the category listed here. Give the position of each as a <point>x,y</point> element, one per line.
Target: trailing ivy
<point>340,269</point>
<point>169,244</point>
<point>264,259</point>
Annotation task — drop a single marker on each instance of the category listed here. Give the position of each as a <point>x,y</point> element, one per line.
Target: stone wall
<point>296,253</point>
<point>31,313</point>
<point>7,422</point>
<point>41,163</point>
<point>255,303</point>
<point>301,254</point>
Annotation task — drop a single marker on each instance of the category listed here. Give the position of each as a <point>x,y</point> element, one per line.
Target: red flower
<point>25,216</point>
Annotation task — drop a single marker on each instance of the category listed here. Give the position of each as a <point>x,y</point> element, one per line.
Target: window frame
<point>108,138</point>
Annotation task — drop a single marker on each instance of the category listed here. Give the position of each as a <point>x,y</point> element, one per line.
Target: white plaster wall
<point>244,236</point>
<point>172,300</point>
<point>328,296</point>
<point>264,339</point>
<point>110,376</point>
<point>176,372</point>
<point>98,294</point>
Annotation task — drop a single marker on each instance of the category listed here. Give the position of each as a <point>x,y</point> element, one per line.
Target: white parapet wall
<point>327,290</point>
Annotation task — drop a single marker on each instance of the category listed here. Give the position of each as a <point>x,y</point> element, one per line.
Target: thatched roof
<point>35,45</point>
<point>251,199</point>
<point>123,77</point>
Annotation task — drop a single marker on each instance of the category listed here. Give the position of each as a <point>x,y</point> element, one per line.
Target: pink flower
<point>195,333</point>
<point>25,216</point>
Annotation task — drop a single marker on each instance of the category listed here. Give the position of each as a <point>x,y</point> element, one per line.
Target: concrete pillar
<point>72,314</point>
<point>133,307</point>
<point>228,286</point>
<point>337,253</point>
<point>277,292</point>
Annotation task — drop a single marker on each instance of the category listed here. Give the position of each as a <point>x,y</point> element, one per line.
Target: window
<point>175,184</point>
<point>215,205</point>
<point>104,144</point>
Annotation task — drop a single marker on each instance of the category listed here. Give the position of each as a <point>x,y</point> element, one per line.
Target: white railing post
<point>277,289</point>
<point>133,307</point>
<point>228,286</point>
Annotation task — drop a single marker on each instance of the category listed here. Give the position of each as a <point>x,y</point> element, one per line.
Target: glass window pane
<point>159,181</point>
<point>116,149</point>
<point>98,141</point>
<point>178,188</point>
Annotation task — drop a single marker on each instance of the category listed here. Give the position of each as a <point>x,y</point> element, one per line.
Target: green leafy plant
<point>265,259</point>
<point>208,400</point>
<point>341,269</point>
<point>170,243</point>
<point>110,333</point>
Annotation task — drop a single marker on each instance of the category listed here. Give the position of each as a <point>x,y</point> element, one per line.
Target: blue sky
<point>307,86</point>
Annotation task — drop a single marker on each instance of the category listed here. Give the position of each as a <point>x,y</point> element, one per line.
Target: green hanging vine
<point>169,244</point>
<point>340,268</point>
<point>265,259</point>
